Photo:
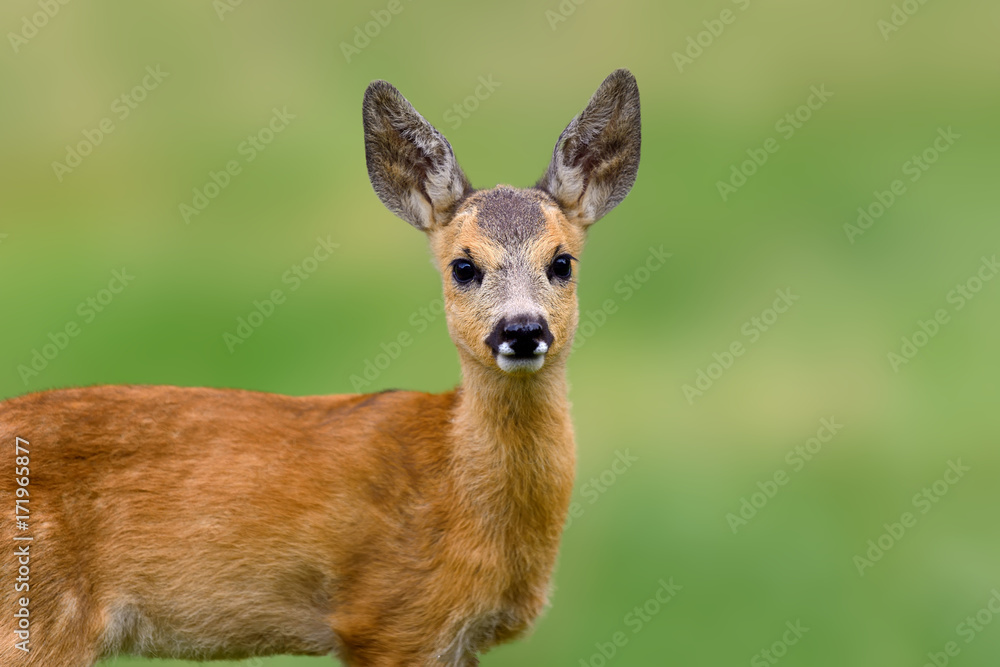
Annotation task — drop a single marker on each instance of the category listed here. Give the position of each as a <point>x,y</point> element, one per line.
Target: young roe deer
<point>398,528</point>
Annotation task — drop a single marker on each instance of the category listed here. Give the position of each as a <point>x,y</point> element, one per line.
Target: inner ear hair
<point>596,159</point>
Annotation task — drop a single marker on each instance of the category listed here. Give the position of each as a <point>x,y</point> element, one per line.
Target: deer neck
<point>513,448</point>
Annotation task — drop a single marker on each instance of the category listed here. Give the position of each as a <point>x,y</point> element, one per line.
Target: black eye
<point>464,271</point>
<point>562,267</point>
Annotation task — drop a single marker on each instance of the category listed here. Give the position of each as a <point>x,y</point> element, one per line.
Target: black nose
<point>523,337</point>
<point>520,337</point>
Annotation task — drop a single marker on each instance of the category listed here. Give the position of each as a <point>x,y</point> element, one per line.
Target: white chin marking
<point>512,365</point>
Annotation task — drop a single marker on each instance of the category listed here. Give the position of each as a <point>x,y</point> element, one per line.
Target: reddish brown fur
<point>391,529</point>
<point>282,523</point>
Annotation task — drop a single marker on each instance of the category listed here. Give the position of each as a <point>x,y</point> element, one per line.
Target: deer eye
<point>562,267</point>
<point>463,271</point>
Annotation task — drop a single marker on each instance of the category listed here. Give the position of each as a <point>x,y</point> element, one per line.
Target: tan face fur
<point>512,236</point>
<point>518,315</point>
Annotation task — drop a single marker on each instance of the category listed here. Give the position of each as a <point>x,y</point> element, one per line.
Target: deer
<point>384,529</point>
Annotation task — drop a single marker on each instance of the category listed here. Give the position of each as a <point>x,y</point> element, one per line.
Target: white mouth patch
<point>510,364</point>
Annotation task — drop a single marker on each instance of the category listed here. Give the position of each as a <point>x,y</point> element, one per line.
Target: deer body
<point>397,528</point>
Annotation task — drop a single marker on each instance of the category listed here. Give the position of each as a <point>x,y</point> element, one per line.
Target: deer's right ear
<point>410,164</point>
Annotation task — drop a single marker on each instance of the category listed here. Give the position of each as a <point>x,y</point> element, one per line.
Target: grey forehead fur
<point>509,215</point>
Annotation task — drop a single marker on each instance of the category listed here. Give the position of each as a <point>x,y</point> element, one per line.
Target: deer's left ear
<point>595,161</point>
<point>410,164</point>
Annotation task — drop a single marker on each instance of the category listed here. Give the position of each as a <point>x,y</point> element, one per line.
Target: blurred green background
<point>227,66</point>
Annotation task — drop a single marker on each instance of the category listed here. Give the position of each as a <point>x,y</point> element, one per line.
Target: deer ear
<point>595,161</point>
<point>410,164</point>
